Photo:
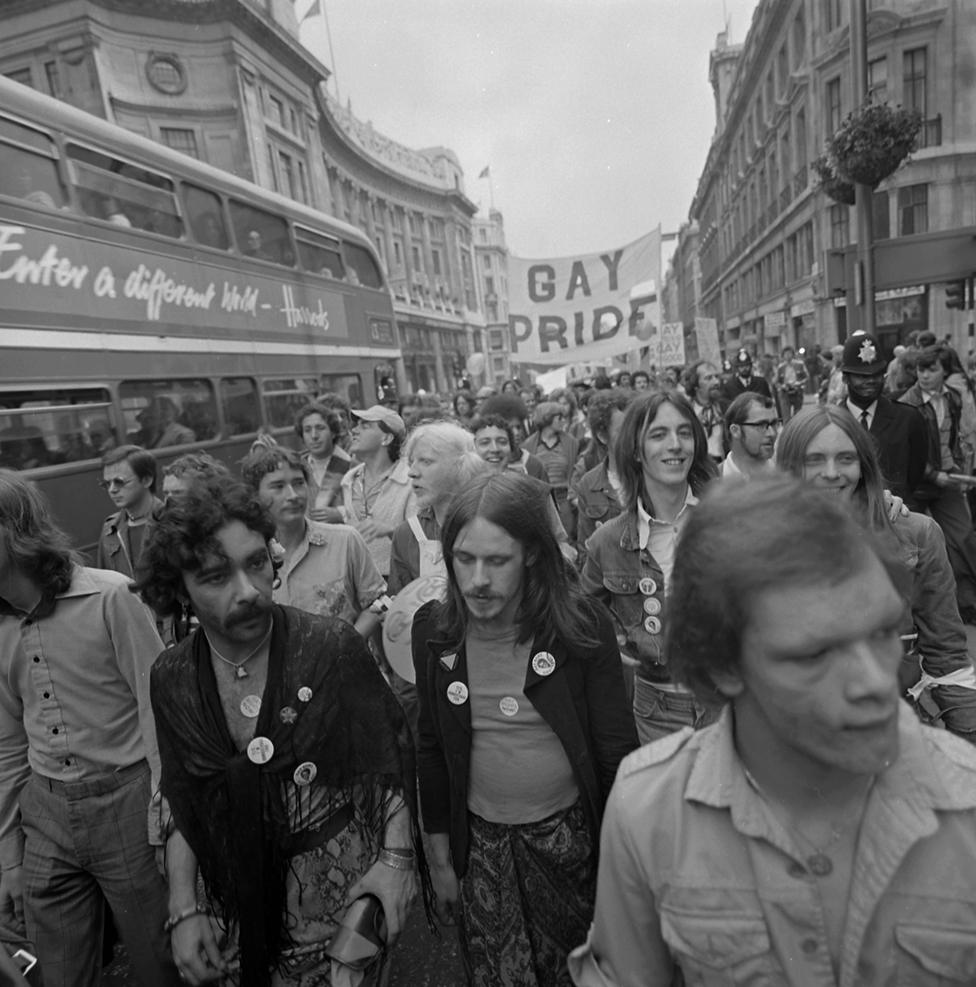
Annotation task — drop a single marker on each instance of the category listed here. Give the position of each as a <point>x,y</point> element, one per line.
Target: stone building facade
<point>764,227</point>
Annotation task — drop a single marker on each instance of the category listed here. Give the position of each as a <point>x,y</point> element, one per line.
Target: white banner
<point>578,309</point>
<point>706,330</point>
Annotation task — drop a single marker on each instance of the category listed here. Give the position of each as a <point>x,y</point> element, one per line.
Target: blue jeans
<point>86,844</point>
<point>659,713</point>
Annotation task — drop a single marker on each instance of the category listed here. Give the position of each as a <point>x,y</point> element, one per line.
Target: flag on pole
<point>485,172</point>
<point>314,11</point>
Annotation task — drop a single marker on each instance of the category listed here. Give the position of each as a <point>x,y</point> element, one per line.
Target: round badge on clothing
<point>652,625</point>
<point>647,586</point>
<point>508,705</point>
<point>652,605</point>
<point>457,693</point>
<point>304,694</point>
<point>543,663</point>
<point>288,714</point>
<point>305,773</point>
<point>260,750</point>
<point>251,706</point>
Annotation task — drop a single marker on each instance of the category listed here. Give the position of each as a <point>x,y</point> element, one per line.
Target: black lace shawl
<point>233,813</point>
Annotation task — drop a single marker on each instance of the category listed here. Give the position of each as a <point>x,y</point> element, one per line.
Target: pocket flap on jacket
<point>945,950</point>
<point>715,939</point>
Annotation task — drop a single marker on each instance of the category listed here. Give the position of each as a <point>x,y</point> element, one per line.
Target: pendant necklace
<point>819,862</point>
<point>239,670</point>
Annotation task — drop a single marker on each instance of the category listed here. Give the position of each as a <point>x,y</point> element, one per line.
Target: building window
<point>782,71</point>
<point>415,257</point>
<point>832,117</point>
<point>53,79</point>
<point>878,80</point>
<point>486,262</point>
<point>881,217</point>
<point>489,285</point>
<point>166,73</point>
<point>799,40</point>
<point>397,255</point>
<point>832,12</point>
<point>23,76</point>
<point>180,139</point>
<point>913,209</point>
<point>913,79</point>
<point>800,141</point>
<point>840,225</point>
<point>435,261</point>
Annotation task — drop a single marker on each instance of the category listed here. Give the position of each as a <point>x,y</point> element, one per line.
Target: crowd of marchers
<point>658,679</point>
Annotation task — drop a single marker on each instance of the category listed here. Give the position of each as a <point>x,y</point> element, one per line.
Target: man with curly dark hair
<point>78,760</point>
<point>286,762</point>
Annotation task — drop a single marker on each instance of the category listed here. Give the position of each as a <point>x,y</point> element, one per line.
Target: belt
<point>96,784</point>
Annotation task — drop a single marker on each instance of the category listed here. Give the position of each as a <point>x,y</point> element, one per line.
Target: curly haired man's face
<point>231,592</point>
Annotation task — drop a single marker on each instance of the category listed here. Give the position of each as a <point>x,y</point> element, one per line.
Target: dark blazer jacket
<point>733,387</point>
<point>582,700</point>
<point>901,441</point>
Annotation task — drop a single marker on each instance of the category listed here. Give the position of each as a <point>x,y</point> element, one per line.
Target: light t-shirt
<point>519,770</point>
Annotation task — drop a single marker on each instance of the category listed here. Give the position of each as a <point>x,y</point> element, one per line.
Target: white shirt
<point>661,537</point>
<point>857,412</point>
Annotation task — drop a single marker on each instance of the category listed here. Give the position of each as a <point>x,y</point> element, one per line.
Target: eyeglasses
<point>774,425</point>
<point>116,483</point>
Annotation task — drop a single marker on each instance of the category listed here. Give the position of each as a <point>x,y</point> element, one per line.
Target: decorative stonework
<point>166,73</point>
<point>415,165</point>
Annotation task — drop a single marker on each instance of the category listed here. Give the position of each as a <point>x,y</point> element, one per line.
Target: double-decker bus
<point>148,298</point>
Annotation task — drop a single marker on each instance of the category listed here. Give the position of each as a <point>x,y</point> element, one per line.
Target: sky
<point>594,116</point>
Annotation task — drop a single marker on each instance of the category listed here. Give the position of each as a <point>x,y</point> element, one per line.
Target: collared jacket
<point>615,569</point>
<point>113,542</point>
<point>698,879</point>
<point>915,397</point>
<point>597,502</point>
<point>582,700</point>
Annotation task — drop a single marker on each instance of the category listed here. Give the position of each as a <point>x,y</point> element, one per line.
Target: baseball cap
<point>862,355</point>
<point>380,414</point>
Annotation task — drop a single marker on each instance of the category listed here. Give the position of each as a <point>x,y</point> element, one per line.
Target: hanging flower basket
<point>873,142</point>
<point>830,183</point>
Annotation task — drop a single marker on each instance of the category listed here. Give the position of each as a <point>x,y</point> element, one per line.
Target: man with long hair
<point>523,721</point>
<point>817,833</point>
<point>662,458</point>
<point>286,762</point>
<point>78,758</point>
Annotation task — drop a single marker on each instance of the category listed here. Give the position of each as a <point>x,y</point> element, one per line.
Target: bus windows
<point>124,194</point>
<point>163,413</point>
<point>360,266</point>
<point>28,169</point>
<point>261,235</point>
<point>46,428</point>
<point>346,386</point>
<point>206,217</point>
<point>284,397</point>
<point>319,254</point>
<point>239,400</point>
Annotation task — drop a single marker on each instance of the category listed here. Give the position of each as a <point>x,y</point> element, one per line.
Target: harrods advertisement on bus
<point>110,286</point>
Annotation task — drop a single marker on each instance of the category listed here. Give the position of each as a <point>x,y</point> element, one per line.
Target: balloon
<point>398,623</point>
<point>476,363</point>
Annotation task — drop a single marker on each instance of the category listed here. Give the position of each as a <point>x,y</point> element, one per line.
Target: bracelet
<point>174,920</point>
<point>395,861</point>
<point>407,852</point>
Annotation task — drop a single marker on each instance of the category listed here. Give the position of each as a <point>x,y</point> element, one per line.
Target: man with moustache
<point>743,379</point>
<point>898,430</point>
<point>752,425</point>
<point>817,833</point>
<point>286,762</point>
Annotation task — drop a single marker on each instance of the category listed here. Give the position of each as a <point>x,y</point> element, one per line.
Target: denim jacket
<point>597,503</point>
<point>615,569</point>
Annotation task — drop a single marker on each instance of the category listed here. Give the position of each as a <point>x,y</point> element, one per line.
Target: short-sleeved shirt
<point>390,502</point>
<point>331,573</point>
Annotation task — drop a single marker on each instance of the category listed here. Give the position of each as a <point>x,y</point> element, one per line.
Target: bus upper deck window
<point>203,208</point>
<point>28,173</point>
<point>261,235</point>
<point>361,266</point>
<point>319,254</point>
